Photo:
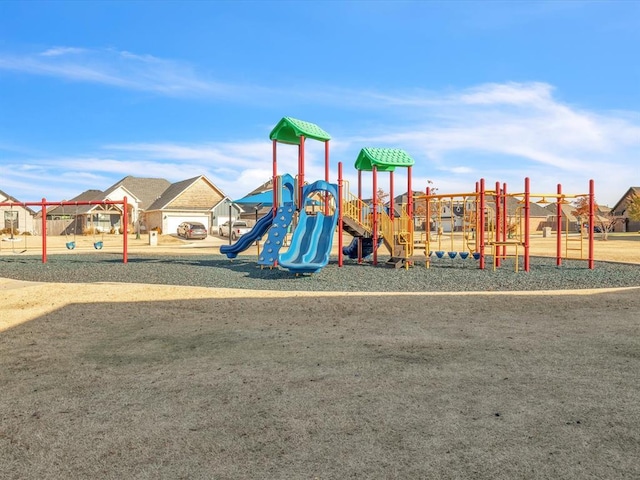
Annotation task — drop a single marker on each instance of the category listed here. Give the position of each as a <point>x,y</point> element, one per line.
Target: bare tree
<point>604,222</point>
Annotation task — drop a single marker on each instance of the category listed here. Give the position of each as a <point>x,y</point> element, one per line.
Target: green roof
<point>289,130</point>
<point>384,159</point>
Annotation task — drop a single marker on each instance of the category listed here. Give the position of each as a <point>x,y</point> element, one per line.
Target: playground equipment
<point>285,215</point>
<point>464,226</point>
<point>377,222</point>
<point>499,222</point>
<point>276,226</point>
<point>313,237</point>
<point>44,204</point>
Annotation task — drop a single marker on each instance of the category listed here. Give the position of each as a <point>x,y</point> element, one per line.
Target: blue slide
<point>351,250</point>
<point>245,241</point>
<point>313,237</point>
<point>277,234</point>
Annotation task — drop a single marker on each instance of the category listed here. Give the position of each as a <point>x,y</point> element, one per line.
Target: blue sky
<point>93,91</point>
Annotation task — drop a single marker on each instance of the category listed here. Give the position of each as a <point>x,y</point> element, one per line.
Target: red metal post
<point>497,249</point>
<point>410,199</point>
<point>44,230</point>
<point>481,224</point>
<point>274,179</point>
<point>326,176</point>
<point>125,223</point>
<point>559,227</point>
<point>592,214</point>
<point>301,173</point>
<point>340,194</point>
<point>527,215</point>
<point>360,214</point>
<point>374,222</point>
<point>391,193</point>
<point>504,212</point>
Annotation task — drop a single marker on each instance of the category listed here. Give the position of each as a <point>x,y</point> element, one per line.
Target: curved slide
<point>245,241</point>
<point>313,237</point>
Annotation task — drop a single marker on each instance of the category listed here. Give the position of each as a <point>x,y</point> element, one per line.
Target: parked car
<point>238,229</point>
<point>192,230</point>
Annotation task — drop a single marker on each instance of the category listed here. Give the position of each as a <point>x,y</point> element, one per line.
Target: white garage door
<point>172,221</point>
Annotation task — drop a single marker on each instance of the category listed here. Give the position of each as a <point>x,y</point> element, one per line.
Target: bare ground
<point>182,382</point>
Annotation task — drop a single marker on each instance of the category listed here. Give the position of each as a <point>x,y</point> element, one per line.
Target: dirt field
<point>139,381</point>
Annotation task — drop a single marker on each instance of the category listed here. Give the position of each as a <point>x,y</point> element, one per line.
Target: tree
<point>633,209</point>
<point>604,222</point>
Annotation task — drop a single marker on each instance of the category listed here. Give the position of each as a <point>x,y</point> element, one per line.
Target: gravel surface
<point>445,275</point>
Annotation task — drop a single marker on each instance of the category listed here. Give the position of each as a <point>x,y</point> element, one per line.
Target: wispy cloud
<point>502,132</point>
<point>121,69</point>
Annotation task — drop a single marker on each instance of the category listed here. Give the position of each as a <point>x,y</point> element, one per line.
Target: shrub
<point>157,229</point>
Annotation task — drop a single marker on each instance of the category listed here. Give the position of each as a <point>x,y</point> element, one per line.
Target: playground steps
<point>353,228</point>
<point>398,257</point>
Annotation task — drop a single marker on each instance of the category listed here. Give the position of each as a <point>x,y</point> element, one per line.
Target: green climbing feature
<point>384,159</point>
<point>289,130</point>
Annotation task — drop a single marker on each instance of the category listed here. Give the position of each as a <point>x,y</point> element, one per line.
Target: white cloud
<point>120,69</point>
<point>57,51</point>
<point>502,132</point>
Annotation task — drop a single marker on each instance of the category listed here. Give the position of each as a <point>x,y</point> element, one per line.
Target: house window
<point>11,220</point>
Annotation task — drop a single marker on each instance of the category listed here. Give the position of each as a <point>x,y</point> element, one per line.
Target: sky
<point>91,92</point>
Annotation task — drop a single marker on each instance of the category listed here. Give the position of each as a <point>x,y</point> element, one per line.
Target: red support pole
<point>125,220</point>
<point>391,193</point>
<point>559,227</point>
<point>498,250</point>
<point>527,215</point>
<point>301,173</point>
<point>374,228</point>
<point>427,219</point>
<point>44,230</point>
<point>274,179</point>
<point>505,212</point>
<point>340,195</point>
<point>360,214</point>
<point>410,195</point>
<point>592,214</point>
<point>481,224</point>
<point>326,176</point>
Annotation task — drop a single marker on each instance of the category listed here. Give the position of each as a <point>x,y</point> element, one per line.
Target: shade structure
<point>263,199</point>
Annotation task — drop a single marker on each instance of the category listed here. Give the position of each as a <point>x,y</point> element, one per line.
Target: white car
<point>238,228</point>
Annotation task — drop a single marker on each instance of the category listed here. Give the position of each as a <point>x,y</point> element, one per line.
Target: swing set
<point>70,242</point>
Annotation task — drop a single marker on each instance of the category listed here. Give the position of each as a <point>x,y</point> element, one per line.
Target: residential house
<point>620,209</point>
<point>82,219</point>
<point>16,219</point>
<point>196,199</point>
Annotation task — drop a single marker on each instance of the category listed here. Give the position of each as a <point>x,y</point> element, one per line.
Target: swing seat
<point>98,245</point>
<point>476,256</point>
<point>464,255</point>
<point>452,255</point>
<point>71,245</point>
<point>439,254</point>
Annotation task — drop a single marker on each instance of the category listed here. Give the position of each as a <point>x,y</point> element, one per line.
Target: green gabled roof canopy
<point>384,159</point>
<point>289,130</point>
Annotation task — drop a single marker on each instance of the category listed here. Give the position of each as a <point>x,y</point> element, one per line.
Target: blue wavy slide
<point>313,237</point>
<point>245,241</point>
